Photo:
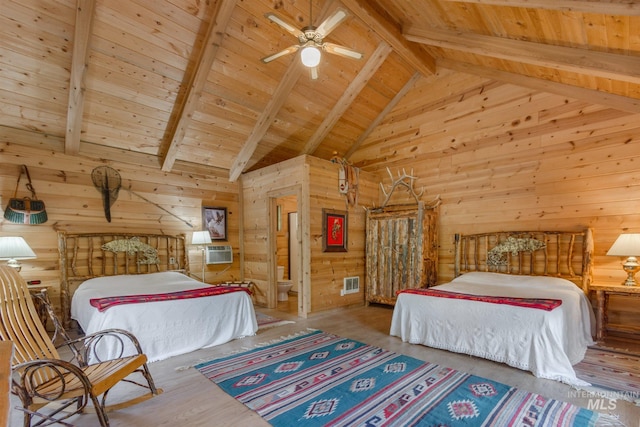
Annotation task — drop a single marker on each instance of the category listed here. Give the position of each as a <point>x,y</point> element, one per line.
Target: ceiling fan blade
<point>314,73</point>
<point>342,51</point>
<point>290,28</point>
<point>287,51</point>
<point>331,22</point>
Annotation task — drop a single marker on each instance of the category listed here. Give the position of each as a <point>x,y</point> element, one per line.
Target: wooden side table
<point>602,299</point>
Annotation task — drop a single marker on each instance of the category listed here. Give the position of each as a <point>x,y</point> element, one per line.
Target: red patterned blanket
<point>106,302</point>
<point>547,304</point>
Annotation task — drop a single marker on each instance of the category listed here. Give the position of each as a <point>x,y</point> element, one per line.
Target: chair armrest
<point>58,375</point>
<point>85,346</point>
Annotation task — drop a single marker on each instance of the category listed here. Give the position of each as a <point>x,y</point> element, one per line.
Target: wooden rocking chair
<point>54,389</point>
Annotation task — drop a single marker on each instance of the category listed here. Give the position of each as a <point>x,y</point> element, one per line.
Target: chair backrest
<point>19,320</point>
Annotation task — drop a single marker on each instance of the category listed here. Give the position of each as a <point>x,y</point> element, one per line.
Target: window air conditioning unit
<point>219,255</point>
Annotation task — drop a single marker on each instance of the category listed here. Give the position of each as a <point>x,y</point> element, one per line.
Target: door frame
<point>272,259</point>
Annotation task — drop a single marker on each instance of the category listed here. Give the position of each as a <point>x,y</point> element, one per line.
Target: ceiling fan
<point>311,40</point>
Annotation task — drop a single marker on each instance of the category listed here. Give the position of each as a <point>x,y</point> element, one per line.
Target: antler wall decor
<point>405,180</point>
<point>348,177</point>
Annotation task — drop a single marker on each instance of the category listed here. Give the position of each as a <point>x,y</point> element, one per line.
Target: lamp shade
<point>15,248</point>
<point>626,245</point>
<point>201,238</point>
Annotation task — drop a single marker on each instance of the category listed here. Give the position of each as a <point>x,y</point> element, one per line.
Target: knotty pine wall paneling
<point>258,187</point>
<point>328,269</point>
<point>316,181</point>
<point>73,204</point>
<point>506,158</point>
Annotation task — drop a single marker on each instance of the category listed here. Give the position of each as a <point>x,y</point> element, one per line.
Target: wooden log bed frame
<point>543,266</point>
<point>564,254</point>
<point>84,256</point>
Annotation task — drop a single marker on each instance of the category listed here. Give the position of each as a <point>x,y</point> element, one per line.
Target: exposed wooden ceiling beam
<point>582,61</point>
<point>91,152</point>
<point>75,105</point>
<point>184,110</point>
<point>374,62</point>
<point>390,106</point>
<point>618,102</point>
<point>267,116</point>
<point>392,34</point>
<point>610,7</point>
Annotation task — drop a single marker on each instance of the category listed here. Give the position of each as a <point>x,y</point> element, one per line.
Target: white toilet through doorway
<point>284,286</point>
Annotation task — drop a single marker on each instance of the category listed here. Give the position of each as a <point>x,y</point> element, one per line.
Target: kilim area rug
<point>613,374</point>
<point>320,379</point>
<point>265,321</point>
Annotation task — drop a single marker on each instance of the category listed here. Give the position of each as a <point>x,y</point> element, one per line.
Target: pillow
<point>490,278</point>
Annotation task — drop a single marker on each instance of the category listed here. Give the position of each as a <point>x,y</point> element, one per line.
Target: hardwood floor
<point>290,306</point>
<point>189,399</point>
<point>622,343</point>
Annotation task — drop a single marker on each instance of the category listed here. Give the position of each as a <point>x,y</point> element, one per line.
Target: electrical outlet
<point>172,260</point>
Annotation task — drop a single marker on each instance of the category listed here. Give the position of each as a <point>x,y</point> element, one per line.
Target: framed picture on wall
<point>215,220</point>
<point>334,231</point>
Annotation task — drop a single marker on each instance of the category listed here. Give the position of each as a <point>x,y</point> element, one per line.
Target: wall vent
<point>351,285</point>
<point>219,255</point>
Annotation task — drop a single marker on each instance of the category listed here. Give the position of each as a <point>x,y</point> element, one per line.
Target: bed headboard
<point>568,255</point>
<point>87,255</point>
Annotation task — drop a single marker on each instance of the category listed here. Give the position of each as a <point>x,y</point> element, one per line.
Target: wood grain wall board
<point>74,205</point>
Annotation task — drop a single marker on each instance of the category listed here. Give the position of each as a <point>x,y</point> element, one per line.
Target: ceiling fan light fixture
<point>310,56</point>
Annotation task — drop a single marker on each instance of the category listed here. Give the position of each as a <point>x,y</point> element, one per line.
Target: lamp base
<point>13,263</point>
<point>631,266</point>
<point>203,266</point>
<point>630,281</point>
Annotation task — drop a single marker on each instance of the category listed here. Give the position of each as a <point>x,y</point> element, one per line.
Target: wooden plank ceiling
<point>181,81</point>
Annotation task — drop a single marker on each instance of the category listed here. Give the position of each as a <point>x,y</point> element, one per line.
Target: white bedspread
<point>164,328</point>
<point>547,343</point>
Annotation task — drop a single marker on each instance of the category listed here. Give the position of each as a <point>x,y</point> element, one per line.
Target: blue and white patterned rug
<point>320,379</point>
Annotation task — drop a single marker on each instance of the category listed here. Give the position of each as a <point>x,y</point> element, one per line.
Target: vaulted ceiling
<point>172,82</point>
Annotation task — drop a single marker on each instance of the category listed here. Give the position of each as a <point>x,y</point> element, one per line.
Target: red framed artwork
<point>334,231</point>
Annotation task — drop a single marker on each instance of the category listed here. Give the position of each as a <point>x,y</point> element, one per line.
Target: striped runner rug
<point>612,374</point>
<point>321,379</point>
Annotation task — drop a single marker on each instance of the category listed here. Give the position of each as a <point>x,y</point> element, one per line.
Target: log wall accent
<point>74,205</point>
<point>507,158</point>
<point>401,250</point>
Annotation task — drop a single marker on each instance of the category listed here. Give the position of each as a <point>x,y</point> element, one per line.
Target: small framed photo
<point>334,231</point>
<point>215,220</point>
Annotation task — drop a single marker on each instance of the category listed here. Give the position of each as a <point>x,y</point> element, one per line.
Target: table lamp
<point>202,239</point>
<point>13,249</point>
<point>627,245</point>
